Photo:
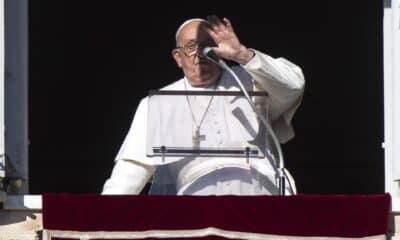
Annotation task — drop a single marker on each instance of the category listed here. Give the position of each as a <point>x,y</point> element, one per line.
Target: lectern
<point>202,134</point>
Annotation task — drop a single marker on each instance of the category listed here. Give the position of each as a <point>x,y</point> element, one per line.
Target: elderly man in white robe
<point>281,79</point>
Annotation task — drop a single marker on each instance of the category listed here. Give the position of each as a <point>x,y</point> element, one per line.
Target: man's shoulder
<point>174,86</point>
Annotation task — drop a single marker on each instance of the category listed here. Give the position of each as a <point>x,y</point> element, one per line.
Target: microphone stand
<point>281,168</point>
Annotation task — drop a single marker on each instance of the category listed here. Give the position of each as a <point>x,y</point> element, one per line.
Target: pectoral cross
<point>197,138</point>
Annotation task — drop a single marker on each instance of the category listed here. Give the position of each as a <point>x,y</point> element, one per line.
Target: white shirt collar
<point>200,88</point>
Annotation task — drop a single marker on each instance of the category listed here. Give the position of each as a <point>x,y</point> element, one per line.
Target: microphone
<point>211,55</point>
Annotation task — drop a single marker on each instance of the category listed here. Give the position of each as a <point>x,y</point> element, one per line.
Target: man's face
<point>188,55</point>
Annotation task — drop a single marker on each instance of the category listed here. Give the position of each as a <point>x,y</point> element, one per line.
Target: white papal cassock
<point>221,126</point>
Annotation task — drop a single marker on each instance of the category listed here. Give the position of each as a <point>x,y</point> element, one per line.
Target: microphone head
<point>210,54</point>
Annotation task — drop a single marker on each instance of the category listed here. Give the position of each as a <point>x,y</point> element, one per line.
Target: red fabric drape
<point>299,215</point>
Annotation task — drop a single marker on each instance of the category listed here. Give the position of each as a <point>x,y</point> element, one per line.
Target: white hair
<point>186,23</point>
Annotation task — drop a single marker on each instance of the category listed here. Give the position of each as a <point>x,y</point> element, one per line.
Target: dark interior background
<point>91,62</point>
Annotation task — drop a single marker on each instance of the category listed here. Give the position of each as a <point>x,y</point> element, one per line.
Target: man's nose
<point>199,51</point>
<point>199,57</point>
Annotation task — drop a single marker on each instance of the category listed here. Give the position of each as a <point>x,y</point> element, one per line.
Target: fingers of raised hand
<point>215,23</point>
<point>213,34</point>
<point>228,24</point>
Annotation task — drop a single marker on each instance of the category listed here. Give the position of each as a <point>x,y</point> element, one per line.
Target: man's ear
<point>177,57</point>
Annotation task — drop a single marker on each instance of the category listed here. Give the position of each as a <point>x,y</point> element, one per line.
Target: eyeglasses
<point>190,48</point>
